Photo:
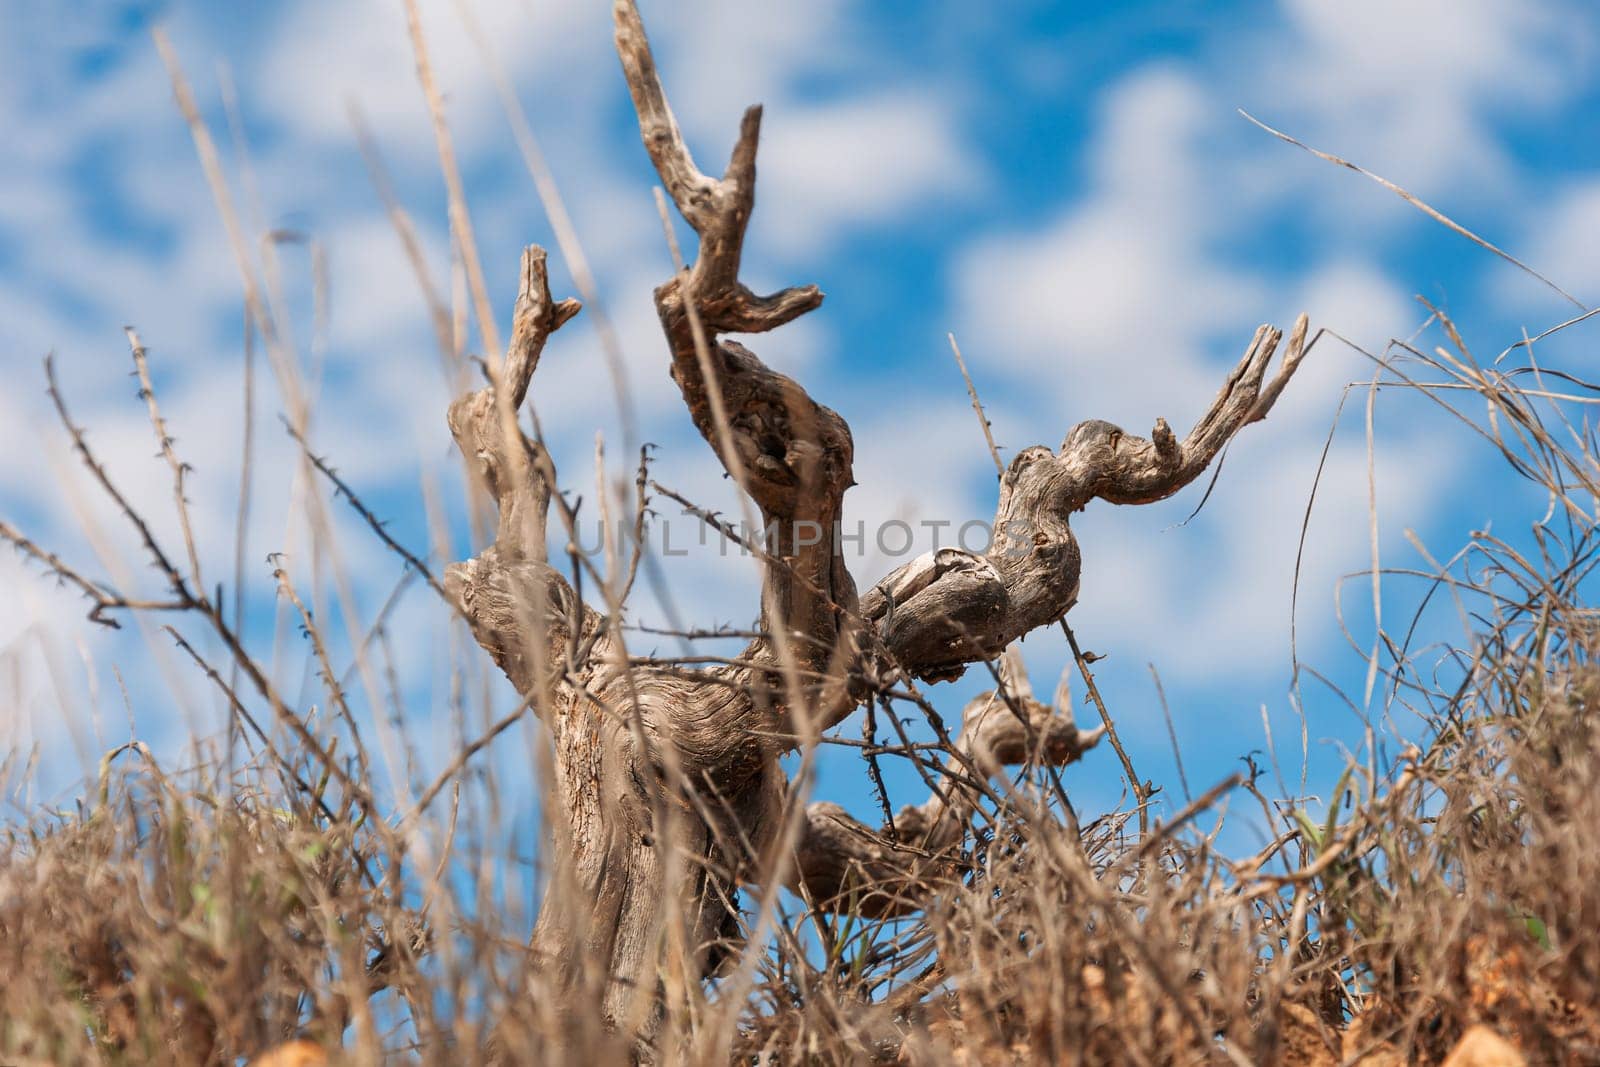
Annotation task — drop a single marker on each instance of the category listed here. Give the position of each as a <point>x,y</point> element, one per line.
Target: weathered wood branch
<point>717,209</point>
<point>944,610</point>
<point>520,609</point>
<point>791,454</point>
<point>1118,467</point>
<point>660,769</point>
<point>630,744</point>
<point>949,608</point>
<point>844,866</point>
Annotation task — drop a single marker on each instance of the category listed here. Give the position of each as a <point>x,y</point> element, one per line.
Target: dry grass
<point>258,895</point>
<point>197,916</point>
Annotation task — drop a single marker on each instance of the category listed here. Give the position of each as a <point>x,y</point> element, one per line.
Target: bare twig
<point>1142,790</point>
<point>460,218</point>
<point>977,408</point>
<point>164,441</point>
<point>1431,212</point>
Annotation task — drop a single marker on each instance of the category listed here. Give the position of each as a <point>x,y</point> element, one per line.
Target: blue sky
<point>1066,187</point>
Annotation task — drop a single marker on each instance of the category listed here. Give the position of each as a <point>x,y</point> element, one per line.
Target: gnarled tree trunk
<point>666,792</point>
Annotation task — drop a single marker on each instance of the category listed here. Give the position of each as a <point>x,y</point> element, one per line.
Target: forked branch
<point>790,453</point>
<point>842,865</point>
<point>717,209</point>
<point>534,319</point>
<point>1124,469</point>
<point>520,609</point>
<point>948,608</point>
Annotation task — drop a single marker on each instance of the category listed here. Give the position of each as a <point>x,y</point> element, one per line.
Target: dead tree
<point>666,791</point>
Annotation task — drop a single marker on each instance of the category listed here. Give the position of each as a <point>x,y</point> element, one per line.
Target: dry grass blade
<point>664,890</point>
<point>1431,212</point>
<point>977,408</point>
<point>460,218</point>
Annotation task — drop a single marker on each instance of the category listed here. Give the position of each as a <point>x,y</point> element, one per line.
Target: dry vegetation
<point>273,887</point>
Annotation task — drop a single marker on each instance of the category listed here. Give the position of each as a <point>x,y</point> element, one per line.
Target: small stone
<point>1482,1047</point>
<point>292,1054</point>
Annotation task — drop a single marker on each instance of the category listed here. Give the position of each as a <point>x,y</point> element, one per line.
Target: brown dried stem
<point>845,866</point>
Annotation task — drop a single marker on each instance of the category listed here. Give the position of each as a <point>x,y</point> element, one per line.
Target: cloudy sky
<point>1070,189</point>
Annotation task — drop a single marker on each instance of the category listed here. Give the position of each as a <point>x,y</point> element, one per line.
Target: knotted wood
<point>666,789</point>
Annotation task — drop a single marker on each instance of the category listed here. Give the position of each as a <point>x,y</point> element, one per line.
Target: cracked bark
<point>655,764</point>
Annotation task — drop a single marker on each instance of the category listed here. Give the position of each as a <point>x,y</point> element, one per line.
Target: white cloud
<point>866,161</point>
<point>1215,595</point>
<point>916,462</point>
<point>1110,306</point>
<point>1561,246</point>
<point>324,57</point>
<point>1413,90</point>
<point>718,57</point>
<point>1356,301</point>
